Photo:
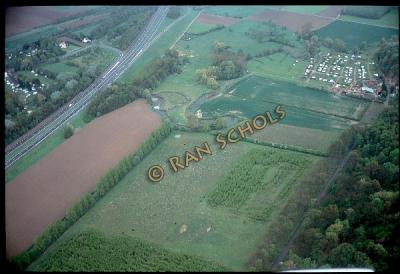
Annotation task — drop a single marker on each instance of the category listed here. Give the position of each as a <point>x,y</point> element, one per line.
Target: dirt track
<point>43,193</point>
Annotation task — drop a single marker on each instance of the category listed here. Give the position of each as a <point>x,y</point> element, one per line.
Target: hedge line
<point>111,178</point>
<point>287,147</point>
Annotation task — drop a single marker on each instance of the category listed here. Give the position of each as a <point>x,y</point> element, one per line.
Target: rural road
<point>298,228</point>
<point>35,136</point>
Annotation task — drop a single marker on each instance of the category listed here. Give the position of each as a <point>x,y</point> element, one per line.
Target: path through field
<point>298,228</point>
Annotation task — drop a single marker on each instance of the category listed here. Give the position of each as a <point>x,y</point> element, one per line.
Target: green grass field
<point>154,212</point>
<point>306,9</point>
<point>172,99</point>
<point>85,30</point>
<point>346,31</point>
<point>41,150</point>
<point>390,19</point>
<point>103,58</point>
<point>241,11</point>
<point>60,67</point>
<point>260,90</point>
<point>31,76</point>
<point>199,52</point>
<point>279,66</point>
<point>308,138</point>
<point>197,27</point>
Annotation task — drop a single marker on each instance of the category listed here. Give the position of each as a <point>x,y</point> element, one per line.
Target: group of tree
<point>45,102</point>
<point>226,65</point>
<point>123,24</point>
<point>111,178</point>
<point>174,12</point>
<point>208,77</point>
<point>272,33</point>
<point>337,44</point>
<point>40,51</point>
<point>358,222</point>
<point>387,56</point>
<point>267,52</point>
<point>63,87</point>
<point>68,131</point>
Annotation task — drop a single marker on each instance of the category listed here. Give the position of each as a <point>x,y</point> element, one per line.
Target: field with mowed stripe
<point>225,233</point>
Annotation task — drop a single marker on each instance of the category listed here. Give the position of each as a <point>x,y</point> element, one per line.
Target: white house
<point>63,45</point>
<point>86,40</point>
<point>367,89</point>
<point>199,114</point>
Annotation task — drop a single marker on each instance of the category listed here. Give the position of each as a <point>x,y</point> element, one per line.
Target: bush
<point>68,131</point>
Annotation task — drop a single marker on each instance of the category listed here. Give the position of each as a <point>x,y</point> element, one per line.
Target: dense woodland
<point>123,24</point>
<point>358,222</point>
<point>387,57</point>
<point>174,12</point>
<point>63,87</point>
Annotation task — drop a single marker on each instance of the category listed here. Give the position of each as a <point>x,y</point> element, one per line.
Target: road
<point>299,228</point>
<point>35,136</point>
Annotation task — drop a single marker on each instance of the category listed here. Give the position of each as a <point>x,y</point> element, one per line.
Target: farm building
<point>63,45</point>
<point>367,89</point>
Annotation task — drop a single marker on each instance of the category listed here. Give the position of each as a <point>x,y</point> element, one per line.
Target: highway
<point>35,136</point>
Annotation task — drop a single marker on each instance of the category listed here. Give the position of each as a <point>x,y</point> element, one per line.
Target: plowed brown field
<point>20,19</point>
<point>294,21</point>
<point>216,19</point>
<point>43,193</point>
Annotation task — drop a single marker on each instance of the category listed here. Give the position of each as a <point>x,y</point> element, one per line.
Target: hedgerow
<point>111,178</point>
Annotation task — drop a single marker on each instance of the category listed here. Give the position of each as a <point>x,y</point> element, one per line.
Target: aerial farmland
<point>201,138</point>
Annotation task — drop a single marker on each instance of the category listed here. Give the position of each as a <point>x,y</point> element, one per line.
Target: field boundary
<point>103,186</point>
<point>179,38</point>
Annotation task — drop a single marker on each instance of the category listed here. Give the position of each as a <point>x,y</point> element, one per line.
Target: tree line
<point>358,222</point>
<point>387,56</point>
<point>299,203</point>
<point>110,179</point>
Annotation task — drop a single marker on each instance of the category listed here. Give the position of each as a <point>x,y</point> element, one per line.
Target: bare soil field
<point>42,194</point>
<point>216,19</point>
<point>332,11</point>
<point>20,19</point>
<point>295,21</point>
<point>86,21</point>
